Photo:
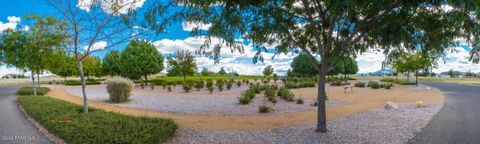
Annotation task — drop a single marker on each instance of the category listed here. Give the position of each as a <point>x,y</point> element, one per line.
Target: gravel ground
<point>201,104</point>
<point>376,126</point>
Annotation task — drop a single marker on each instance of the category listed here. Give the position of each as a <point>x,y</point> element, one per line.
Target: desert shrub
<point>285,94</point>
<point>199,84</point>
<point>360,84</point>
<point>291,85</point>
<point>264,108</point>
<point>239,83</point>
<point>336,83</point>
<point>300,100</point>
<point>388,80</point>
<point>164,85</point>
<point>75,82</point>
<point>187,87</point>
<point>388,85</point>
<point>50,82</point>
<point>246,96</point>
<point>229,85</point>
<point>306,84</point>
<point>374,84</point>
<point>28,90</point>
<point>220,85</point>
<point>404,82</point>
<point>119,89</point>
<point>210,88</point>
<point>270,93</point>
<point>255,88</point>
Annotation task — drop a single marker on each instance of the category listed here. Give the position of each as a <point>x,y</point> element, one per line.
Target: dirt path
<point>361,100</point>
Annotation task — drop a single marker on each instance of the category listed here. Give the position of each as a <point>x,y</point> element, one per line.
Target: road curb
<point>53,138</point>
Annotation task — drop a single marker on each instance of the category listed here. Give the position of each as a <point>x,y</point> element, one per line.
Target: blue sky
<point>178,36</point>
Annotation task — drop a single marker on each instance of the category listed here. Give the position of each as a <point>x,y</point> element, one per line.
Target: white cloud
<point>231,61</point>
<point>457,60</point>
<point>6,70</point>
<point>189,26</point>
<point>106,5</point>
<point>370,61</point>
<point>11,24</point>
<point>97,46</point>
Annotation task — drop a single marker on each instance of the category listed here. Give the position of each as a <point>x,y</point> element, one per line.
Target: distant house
<point>454,74</point>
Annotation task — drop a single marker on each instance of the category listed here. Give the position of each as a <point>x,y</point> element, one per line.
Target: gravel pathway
<point>201,104</point>
<point>376,126</point>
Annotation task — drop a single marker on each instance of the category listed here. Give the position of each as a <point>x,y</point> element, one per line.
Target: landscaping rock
<point>420,104</point>
<point>390,105</point>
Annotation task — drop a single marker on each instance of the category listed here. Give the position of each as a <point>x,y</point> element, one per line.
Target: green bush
<point>264,108</point>
<point>374,84</point>
<point>388,85</point>
<point>255,88</point>
<point>229,85</point>
<point>404,82</point>
<point>291,85</point>
<point>336,83</point>
<point>306,84</point>
<point>246,96</point>
<point>239,83</point>
<point>199,84</point>
<point>360,84</point>
<point>66,121</point>
<point>187,87</point>
<point>75,82</point>
<point>119,89</point>
<point>270,93</point>
<point>29,90</point>
<point>285,94</point>
<point>388,80</point>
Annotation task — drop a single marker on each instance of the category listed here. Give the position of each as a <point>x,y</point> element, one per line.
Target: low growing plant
<point>285,94</point>
<point>360,84</point>
<point>119,89</point>
<point>264,108</point>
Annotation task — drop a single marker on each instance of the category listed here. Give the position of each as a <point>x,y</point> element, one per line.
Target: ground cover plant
<point>29,90</point>
<point>67,121</point>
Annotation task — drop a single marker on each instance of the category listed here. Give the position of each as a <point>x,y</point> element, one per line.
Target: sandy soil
<point>360,100</point>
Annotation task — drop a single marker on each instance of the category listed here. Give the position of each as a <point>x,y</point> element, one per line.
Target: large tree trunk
<point>321,111</point>
<point>33,84</point>
<point>82,81</point>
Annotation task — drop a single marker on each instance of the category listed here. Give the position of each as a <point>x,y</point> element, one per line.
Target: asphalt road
<point>458,122</point>
<point>14,126</point>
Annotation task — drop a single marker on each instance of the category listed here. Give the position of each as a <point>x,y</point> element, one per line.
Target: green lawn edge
<point>67,121</point>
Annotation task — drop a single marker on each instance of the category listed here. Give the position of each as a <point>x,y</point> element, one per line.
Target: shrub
<point>152,86</point>
<point>270,93</point>
<point>255,88</point>
<point>229,85</point>
<point>291,85</point>
<point>119,89</point>
<point>285,94</point>
<point>210,88</point>
<point>374,84</point>
<point>388,85</point>
<point>187,87</point>
<point>75,82</point>
<point>98,126</point>
<point>300,100</point>
<point>388,80</point>
<point>306,84</point>
<point>264,108</point>
<point>29,90</point>
<point>199,84</point>
<point>360,84</point>
<point>336,83</point>
<point>50,82</point>
<point>404,82</point>
<point>246,97</point>
<point>239,83</point>
<point>169,88</point>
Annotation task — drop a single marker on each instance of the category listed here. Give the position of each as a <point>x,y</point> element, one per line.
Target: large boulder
<point>390,105</point>
<point>420,104</point>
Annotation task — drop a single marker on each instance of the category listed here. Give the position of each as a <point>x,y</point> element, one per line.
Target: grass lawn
<point>29,90</point>
<point>470,81</point>
<point>67,121</point>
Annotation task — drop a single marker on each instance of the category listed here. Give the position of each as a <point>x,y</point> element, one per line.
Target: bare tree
<point>96,25</point>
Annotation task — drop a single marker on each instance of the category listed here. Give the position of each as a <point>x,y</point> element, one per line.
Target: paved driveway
<point>14,126</point>
<point>458,121</point>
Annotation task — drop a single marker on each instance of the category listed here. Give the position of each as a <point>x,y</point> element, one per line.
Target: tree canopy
<point>326,28</point>
<point>183,64</point>
<point>111,64</point>
<point>140,59</point>
<point>268,71</point>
